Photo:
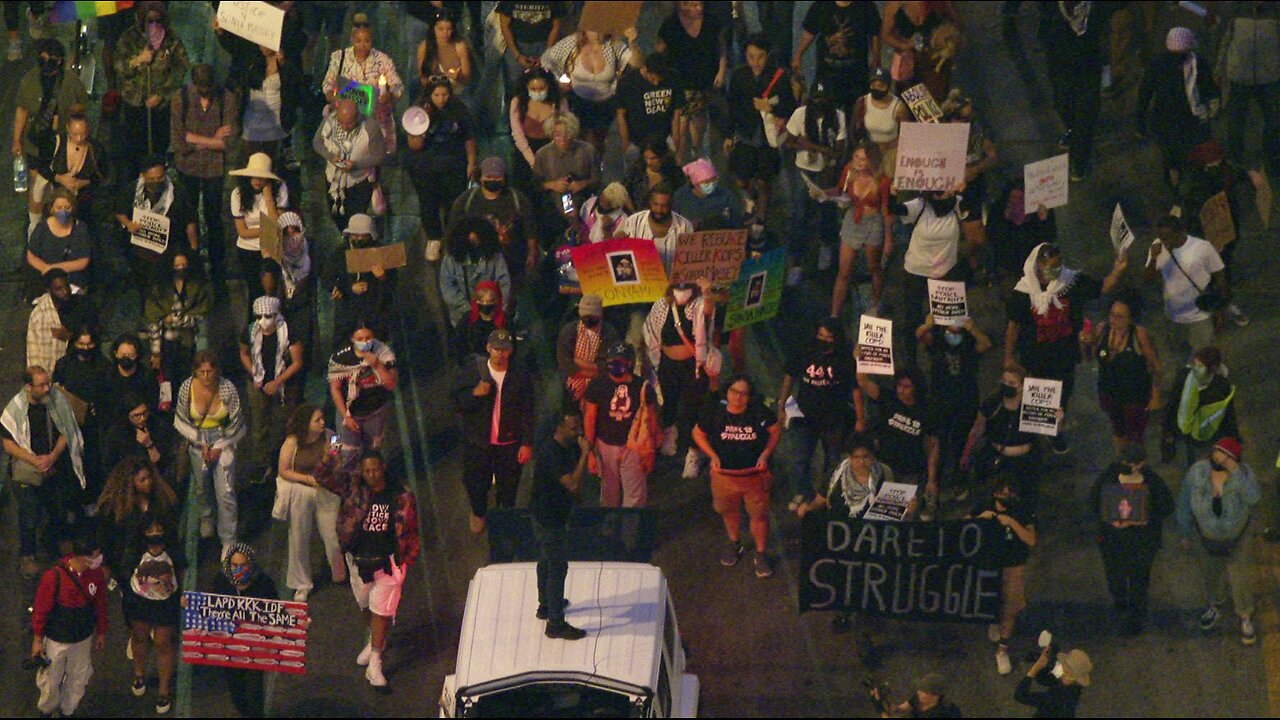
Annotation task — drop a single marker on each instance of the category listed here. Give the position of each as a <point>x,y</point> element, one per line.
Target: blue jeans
<point>553,567</point>
<point>806,434</point>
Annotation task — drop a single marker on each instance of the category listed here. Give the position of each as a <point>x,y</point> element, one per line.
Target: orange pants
<point>730,492</point>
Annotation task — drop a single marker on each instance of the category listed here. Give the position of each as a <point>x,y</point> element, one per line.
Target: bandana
<point>1030,284</point>
<point>296,263</point>
<point>263,306</point>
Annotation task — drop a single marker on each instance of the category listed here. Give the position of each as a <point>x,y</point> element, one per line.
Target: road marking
<point>1266,573</point>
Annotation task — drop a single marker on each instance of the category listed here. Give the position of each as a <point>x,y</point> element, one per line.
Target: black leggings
<point>683,390</point>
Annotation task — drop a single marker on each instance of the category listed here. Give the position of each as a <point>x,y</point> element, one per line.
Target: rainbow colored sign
<point>621,271</point>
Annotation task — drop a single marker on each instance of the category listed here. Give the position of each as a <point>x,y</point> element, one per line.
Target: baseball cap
<point>501,339</point>
<point>493,166</point>
<point>1230,446</point>
<point>621,350</point>
<point>590,306</point>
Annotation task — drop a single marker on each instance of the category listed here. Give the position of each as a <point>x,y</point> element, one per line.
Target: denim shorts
<point>868,232</point>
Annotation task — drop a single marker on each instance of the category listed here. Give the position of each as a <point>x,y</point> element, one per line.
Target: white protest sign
<point>931,156</point>
<point>1121,235</point>
<point>1041,400</point>
<point>153,231</point>
<point>891,502</point>
<point>253,20</point>
<point>875,346</point>
<point>1046,183</point>
<point>948,302</point>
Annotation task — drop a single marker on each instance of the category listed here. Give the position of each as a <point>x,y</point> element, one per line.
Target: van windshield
<point>560,700</point>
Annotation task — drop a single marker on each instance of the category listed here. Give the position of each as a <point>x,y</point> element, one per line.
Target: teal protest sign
<point>757,292</point>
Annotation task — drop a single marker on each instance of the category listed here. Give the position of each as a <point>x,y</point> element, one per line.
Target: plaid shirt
<point>43,349</point>
<point>189,159</point>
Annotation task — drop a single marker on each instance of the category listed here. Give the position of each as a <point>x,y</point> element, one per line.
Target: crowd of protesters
<point>109,441</point>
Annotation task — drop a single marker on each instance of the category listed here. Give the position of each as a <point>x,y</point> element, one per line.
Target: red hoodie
<point>69,596</point>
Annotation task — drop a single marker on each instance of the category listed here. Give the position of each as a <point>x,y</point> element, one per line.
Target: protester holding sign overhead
<point>1046,314</point>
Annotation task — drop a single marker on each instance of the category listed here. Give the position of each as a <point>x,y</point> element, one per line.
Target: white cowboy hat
<point>415,120</point>
<point>259,166</point>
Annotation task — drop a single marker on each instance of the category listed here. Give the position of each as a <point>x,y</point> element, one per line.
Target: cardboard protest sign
<point>713,254</point>
<point>388,257</point>
<point>1215,219</point>
<point>609,18</point>
<point>269,237</point>
<point>79,407</point>
<point>1121,235</point>
<point>244,632</point>
<point>948,302</point>
<point>1046,182</point>
<point>1124,502</point>
<point>875,346</point>
<point>757,292</point>
<point>931,156</point>
<point>921,103</point>
<point>1041,400</point>
<point>255,21</point>
<point>153,233</point>
<point>621,271</point>
<point>891,502</point>
<point>946,571</point>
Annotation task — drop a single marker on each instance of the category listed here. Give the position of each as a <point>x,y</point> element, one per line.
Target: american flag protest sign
<point>243,632</point>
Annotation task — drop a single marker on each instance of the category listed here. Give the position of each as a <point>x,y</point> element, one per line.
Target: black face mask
<point>179,273</point>
<point>155,540</point>
<point>127,363</point>
<point>493,186</point>
<point>591,321</point>
<point>825,347</point>
<point>942,207</point>
<point>659,218</point>
<point>154,188</point>
<point>1126,469</point>
<point>1217,465</point>
<point>50,66</point>
<point>1008,391</point>
<point>86,355</point>
<point>486,309</point>
<point>879,94</point>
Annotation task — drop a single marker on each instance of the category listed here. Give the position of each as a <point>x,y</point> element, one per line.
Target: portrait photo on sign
<point>755,290</point>
<point>623,267</point>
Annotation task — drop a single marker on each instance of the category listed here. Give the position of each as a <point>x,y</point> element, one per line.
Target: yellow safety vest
<point>1201,422</point>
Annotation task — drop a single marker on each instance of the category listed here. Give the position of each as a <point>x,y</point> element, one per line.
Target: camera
<point>39,662</point>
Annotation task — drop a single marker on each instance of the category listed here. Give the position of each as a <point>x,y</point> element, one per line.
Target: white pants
<point>308,508</point>
<point>216,484</point>
<point>62,684</point>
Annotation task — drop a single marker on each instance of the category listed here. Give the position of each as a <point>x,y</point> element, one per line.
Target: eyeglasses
<point>438,80</point>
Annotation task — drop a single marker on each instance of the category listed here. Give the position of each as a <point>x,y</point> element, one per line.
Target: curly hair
<point>119,499</point>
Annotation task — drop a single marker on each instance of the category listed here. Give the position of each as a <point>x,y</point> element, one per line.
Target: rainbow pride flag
<point>72,10</point>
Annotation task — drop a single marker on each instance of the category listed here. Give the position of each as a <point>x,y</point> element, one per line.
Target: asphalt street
<point>754,653</point>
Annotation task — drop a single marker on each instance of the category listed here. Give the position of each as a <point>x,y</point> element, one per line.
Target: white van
<point>630,664</point>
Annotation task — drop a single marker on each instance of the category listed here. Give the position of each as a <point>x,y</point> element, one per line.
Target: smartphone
<point>566,203</point>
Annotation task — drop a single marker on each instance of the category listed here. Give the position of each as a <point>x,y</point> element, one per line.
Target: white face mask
<point>267,324</point>
<point>1057,670</point>
<point>94,562</point>
<point>682,296</point>
<point>538,96</point>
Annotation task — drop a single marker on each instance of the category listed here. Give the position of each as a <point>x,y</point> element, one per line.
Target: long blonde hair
<point>119,499</point>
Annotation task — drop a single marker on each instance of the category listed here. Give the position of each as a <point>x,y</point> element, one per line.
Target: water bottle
<point>19,174</point>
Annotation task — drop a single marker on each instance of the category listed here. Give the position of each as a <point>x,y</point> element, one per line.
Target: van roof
<point>620,605</point>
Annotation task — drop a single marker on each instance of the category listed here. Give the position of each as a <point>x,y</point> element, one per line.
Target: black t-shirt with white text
<point>531,21</point>
<point>616,407</point>
<point>739,440</point>
<point>903,429</point>
<point>823,386</point>
<point>376,533</point>
<point>648,107</point>
<point>843,38</point>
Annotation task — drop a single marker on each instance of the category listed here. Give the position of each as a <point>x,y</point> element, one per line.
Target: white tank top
<point>881,124</point>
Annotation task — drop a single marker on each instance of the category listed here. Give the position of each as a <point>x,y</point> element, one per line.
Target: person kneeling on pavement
<point>378,531</point>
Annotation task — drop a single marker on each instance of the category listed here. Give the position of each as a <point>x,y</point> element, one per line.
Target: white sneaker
<point>993,633</point>
<point>692,464</point>
<point>300,595</point>
<point>373,673</point>
<point>1003,664</point>
<point>824,257</point>
<point>207,528</point>
<point>363,658</point>
<point>15,49</point>
<point>669,442</point>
